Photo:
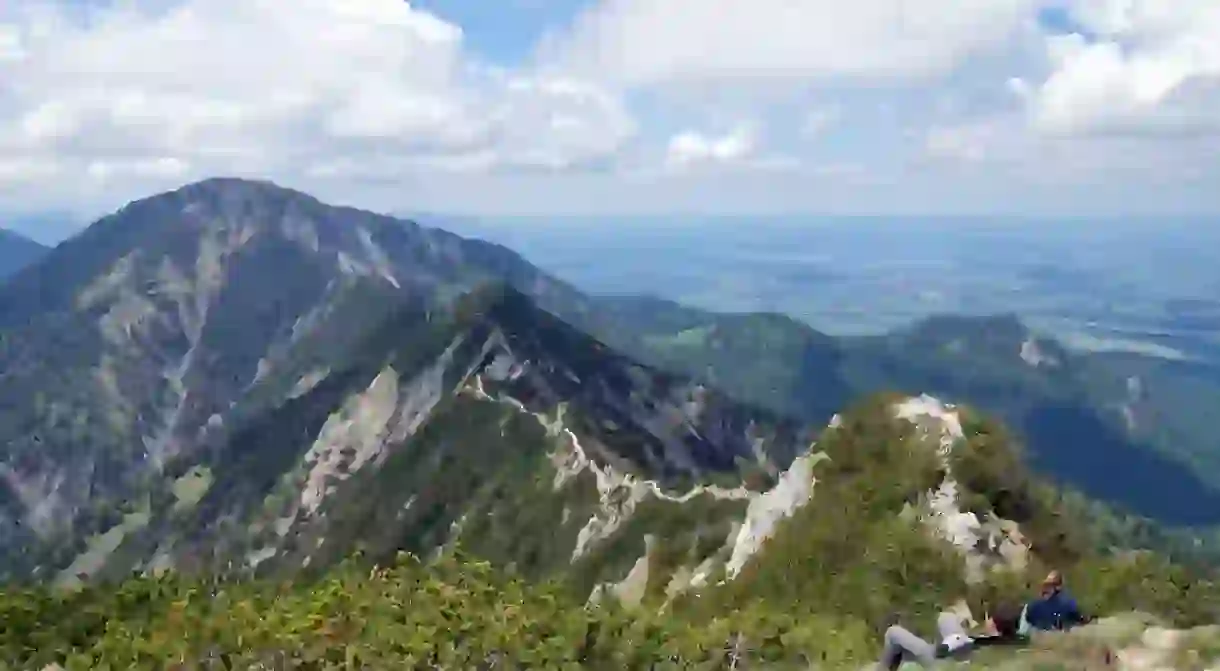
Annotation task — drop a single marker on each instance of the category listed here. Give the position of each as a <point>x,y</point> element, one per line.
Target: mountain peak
<point>226,198</point>
<point>237,185</point>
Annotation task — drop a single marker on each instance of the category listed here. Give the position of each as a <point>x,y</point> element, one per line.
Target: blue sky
<point>505,31</point>
<point>617,107</point>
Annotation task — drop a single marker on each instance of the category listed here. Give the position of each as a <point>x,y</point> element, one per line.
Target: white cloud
<point>740,148</point>
<point>559,123</point>
<point>646,42</point>
<point>1121,174</point>
<point>1120,115</point>
<point>690,147</point>
<point>1141,66</point>
<point>636,105</point>
<point>141,94</point>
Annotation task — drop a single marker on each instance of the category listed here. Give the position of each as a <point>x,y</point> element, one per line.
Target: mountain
<point>903,506</point>
<point>124,342</point>
<point>1143,418</point>
<point>328,437</point>
<point>17,252</point>
<point>166,334</point>
<point>488,423</point>
<point>137,345</point>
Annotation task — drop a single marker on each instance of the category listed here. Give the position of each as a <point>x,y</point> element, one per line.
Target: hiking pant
<point>902,645</point>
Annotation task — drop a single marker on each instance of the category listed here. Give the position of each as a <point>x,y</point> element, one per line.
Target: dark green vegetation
<point>820,593</point>
<point>436,426</point>
<point>17,252</point>
<point>153,336</point>
<point>1086,424</point>
<point>856,553</point>
<point>236,377</point>
<point>159,327</point>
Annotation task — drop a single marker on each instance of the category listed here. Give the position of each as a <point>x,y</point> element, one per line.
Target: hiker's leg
<point>901,644</point>
<point>948,624</point>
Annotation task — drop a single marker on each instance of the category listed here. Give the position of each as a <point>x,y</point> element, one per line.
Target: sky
<point>631,107</point>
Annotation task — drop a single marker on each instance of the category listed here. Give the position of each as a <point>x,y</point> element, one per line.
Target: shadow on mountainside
<point>1087,450</point>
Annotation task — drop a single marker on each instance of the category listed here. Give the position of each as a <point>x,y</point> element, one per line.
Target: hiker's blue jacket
<point>1057,611</point>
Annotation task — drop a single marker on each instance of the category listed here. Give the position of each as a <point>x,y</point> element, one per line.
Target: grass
<point>1135,641</point>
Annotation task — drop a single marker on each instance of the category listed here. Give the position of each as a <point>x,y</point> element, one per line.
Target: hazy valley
<point>1098,283</point>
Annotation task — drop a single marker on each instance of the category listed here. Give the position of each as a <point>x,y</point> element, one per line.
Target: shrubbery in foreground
<point>831,579</point>
<point>451,613</point>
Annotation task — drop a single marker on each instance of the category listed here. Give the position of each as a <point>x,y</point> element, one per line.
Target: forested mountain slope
<point>230,320</point>
<point>903,506</point>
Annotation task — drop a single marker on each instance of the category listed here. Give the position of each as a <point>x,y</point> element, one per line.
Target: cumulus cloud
<point>147,93</point>
<point>1134,66</point>
<point>645,42</point>
<point>690,147</point>
<point>103,100</point>
<point>739,148</point>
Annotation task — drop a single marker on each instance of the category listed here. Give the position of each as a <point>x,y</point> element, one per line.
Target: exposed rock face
<point>988,543</point>
<point>178,332</point>
<point>298,355</point>
<point>793,491</point>
<point>404,447</point>
<point>130,344</point>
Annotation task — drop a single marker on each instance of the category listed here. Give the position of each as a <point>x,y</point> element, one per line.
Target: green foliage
<point>768,359</point>
<point>684,534</point>
<point>1066,411</point>
<point>991,467</point>
<point>852,555</point>
<point>830,579</point>
<point>1067,532</point>
<point>1146,582</point>
<point>855,554</point>
<point>453,612</point>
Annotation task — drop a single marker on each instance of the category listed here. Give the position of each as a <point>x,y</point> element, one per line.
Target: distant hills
<point>240,425</point>
<point>17,252</point>
<point>1076,412</point>
<point>228,352</point>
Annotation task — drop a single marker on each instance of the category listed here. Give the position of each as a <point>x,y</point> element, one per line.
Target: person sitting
<point>900,644</point>
<point>1055,609</point>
